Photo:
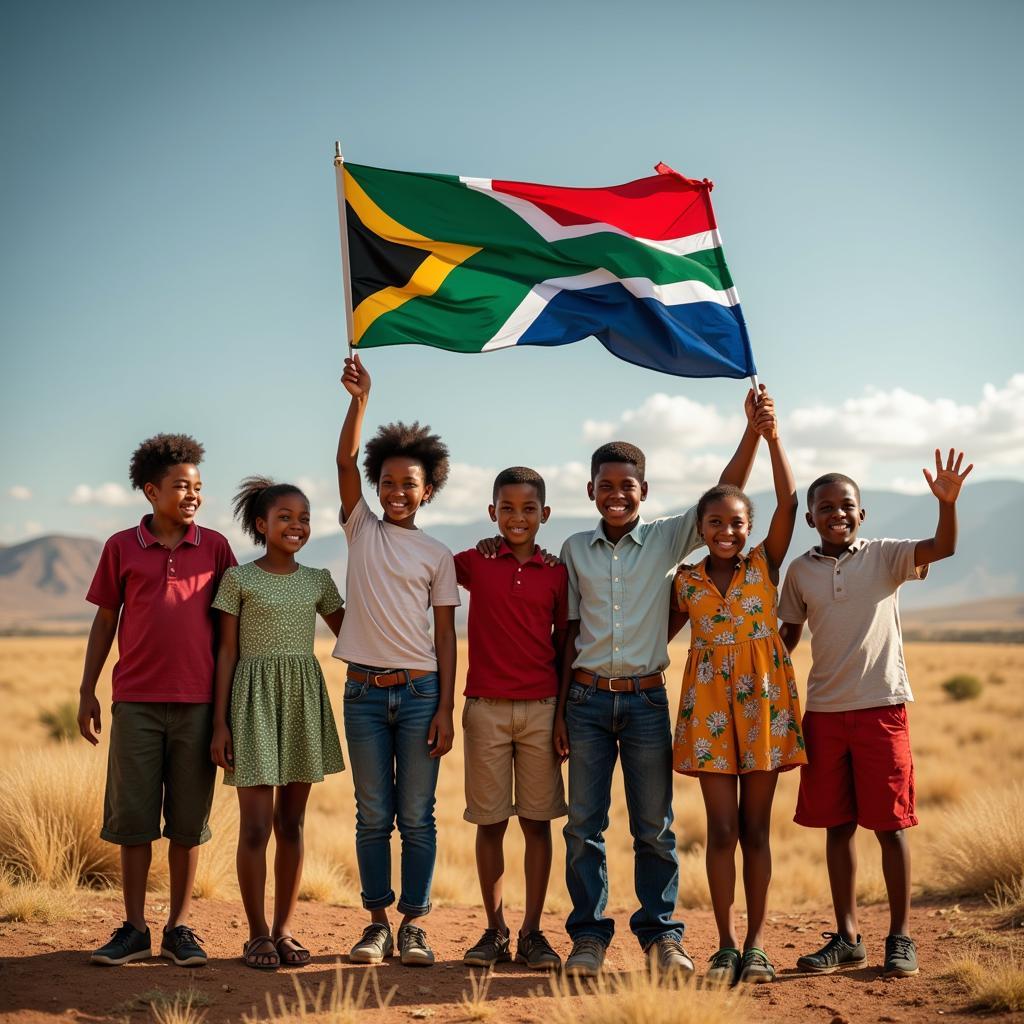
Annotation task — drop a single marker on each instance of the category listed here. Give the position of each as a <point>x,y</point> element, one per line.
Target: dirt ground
<point>45,976</point>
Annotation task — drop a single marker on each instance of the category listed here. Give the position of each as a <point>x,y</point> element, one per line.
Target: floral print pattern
<point>739,710</point>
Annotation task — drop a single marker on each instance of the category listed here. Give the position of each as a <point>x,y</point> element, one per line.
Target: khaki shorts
<point>508,739</point>
<point>159,760</point>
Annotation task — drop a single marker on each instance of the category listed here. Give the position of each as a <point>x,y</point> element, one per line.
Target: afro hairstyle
<point>156,455</point>
<point>413,442</point>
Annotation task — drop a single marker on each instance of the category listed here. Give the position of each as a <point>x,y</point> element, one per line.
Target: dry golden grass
<point>473,1002</point>
<point>340,1003</point>
<point>993,984</point>
<point>30,901</point>
<point>51,796</point>
<point>642,997</point>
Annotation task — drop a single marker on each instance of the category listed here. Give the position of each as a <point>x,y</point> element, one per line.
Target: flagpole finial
<point>338,158</point>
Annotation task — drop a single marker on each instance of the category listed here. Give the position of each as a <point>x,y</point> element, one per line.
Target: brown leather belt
<point>393,677</point>
<point>619,684</point>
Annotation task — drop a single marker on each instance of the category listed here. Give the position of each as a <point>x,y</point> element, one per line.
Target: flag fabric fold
<point>473,265</point>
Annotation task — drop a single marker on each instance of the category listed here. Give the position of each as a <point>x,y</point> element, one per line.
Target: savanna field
<point>59,892</point>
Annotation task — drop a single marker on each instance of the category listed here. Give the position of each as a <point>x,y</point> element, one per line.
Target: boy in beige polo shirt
<point>860,770</point>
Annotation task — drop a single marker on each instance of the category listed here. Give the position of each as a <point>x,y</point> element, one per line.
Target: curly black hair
<point>723,491</point>
<point>152,459</point>
<point>618,451</point>
<point>831,478</point>
<point>520,475</point>
<point>254,499</point>
<point>412,441</point>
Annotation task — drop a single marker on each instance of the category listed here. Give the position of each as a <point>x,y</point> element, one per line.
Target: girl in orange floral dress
<point>739,716</point>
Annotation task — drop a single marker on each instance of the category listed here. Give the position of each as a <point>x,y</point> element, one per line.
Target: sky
<point>169,258</point>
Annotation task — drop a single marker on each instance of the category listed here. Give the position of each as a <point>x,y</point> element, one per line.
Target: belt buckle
<point>375,678</point>
<point>614,689</point>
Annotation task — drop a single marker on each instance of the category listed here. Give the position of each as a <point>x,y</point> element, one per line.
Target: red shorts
<point>859,769</point>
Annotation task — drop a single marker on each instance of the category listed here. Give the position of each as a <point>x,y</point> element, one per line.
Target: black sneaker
<point>126,944</point>
<point>534,950</point>
<point>836,955</point>
<point>182,945</point>
<point>900,957</point>
<point>755,967</point>
<point>725,967</point>
<point>491,949</point>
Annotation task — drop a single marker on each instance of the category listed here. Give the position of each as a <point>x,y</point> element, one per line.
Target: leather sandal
<point>265,960</point>
<point>296,956</point>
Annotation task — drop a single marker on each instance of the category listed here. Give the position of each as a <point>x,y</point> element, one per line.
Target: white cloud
<point>110,495</point>
<point>19,492</point>
<point>880,438</point>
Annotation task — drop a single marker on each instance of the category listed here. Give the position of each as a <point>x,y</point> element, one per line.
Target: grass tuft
<point>342,1003</point>
<point>644,997</point>
<point>993,985</point>
<point>979,844</point>
<point>474,1002</point>
<point>963,686</point>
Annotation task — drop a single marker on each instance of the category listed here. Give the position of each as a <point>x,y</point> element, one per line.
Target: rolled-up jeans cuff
<point>381,901</point>
<point>411,911</point>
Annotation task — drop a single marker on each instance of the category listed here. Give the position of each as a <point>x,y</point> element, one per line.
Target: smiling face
<point>725,526</point>
<point>836,513</point>
<point>617,490</point>
<point>402,489</point>
<point>176,498</point>
<point>519,513</point>
<point>286,526</point>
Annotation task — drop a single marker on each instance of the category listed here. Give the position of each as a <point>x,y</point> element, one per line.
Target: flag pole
<point>339,172</point>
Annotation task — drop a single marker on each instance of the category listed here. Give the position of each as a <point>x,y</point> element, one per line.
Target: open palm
<point>948,479</point>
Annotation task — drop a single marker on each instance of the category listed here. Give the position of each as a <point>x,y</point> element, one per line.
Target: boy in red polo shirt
<point>517,620</point>
<point>159,578</point>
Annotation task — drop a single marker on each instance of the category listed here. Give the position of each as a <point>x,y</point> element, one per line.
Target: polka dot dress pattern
<point>282,726</point>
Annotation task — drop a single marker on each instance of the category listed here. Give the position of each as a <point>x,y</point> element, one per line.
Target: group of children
<point>567,661</point>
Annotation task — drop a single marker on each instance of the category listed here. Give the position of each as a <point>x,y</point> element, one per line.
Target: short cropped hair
<point>255,498</point>
<point>520,475</point>
<point>156,455</point>
<point>618,451</point>
<point>831,478</point>
<point>720,491</point>
<point>412,441</point>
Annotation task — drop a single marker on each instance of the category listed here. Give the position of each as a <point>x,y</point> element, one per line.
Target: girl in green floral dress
<point>274,733</point>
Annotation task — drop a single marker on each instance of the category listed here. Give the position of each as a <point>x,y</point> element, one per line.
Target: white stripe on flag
<point>551,231</point>
<point>677,293</point>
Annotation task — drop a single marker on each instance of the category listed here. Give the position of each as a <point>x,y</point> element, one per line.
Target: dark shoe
<point>261,959</point>
<point>586,958</point>
<point>755,967</point>
<point>126,944</point>
<point>377,942</point>
<point>836,955</point>
<point>668,953</point>
<point>900,957</point>
<point>534,950</point>
<point>725,967</point>
<point>491,949</point>
<point>182,945</point>
<point>413,948</point>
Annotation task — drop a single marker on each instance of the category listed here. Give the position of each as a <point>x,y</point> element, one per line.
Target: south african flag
<point>473,264</point>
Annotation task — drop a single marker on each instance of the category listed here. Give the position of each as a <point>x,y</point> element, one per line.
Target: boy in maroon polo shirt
<point>517,619</point>
<point>159,578</point>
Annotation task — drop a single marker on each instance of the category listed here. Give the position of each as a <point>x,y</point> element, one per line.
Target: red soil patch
<point>44,973</point>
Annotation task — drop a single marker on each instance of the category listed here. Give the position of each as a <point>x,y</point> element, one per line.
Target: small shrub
<point>962,686</point>
<point>61,722</point>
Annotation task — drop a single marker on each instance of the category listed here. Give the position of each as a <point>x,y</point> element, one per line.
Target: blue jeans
<point>634,725</point>
<point>395,778</point>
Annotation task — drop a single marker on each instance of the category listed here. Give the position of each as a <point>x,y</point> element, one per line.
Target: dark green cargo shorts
<point>159,760</point>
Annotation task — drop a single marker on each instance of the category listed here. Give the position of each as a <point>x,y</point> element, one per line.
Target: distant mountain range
<point>43,581</point>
